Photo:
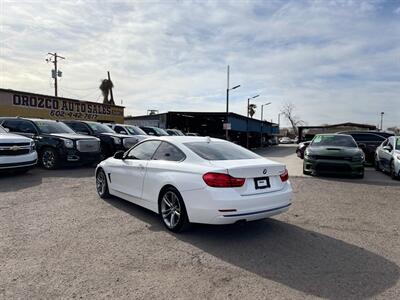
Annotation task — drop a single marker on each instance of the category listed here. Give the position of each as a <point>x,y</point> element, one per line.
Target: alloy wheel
<point>48,159</point>
<point>101,183</point>
<point>171,209</point>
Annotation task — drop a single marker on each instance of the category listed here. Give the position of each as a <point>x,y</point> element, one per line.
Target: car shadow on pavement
<point>10,182</point>
<point>304,260</point>
<point>301,259</point>
<point>368,179</point>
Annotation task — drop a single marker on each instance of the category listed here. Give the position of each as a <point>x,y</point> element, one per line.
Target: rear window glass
<point>220,151</point>
<point>135,130</point>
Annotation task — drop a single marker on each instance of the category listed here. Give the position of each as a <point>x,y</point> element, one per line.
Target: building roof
<point>192,114</point>
<point>348,124</point>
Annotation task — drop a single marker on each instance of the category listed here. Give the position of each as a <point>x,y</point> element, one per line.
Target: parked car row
<point>347,152</point>
<point>68,142</point>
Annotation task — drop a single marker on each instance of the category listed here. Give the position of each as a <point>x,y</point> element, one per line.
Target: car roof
<point>338,134</point>
<point>381,133</point>
<point>181,139</point>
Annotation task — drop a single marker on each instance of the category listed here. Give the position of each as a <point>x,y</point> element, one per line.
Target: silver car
<point>387,156</point>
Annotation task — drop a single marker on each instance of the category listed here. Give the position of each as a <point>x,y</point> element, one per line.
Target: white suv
<point>17,153</point>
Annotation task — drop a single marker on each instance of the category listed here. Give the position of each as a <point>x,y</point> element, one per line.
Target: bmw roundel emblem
<point>265,171</point>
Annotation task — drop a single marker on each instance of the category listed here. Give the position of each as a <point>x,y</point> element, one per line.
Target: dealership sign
<point>23,104</point>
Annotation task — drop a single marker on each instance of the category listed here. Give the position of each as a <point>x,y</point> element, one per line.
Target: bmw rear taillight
<point>221,180</point>
<point>284,176</point>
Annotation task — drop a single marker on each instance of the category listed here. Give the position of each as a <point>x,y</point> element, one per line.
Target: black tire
<point>377,165</point>
<point>306,172</point>
<point>360,176</point>
<point>393,174</point>
<point>49,159</point>
<point>103,153</point>
<point>170,207</point>
<point>102,185</point>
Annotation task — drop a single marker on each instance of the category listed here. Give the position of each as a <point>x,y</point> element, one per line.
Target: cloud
<point>336,60</point>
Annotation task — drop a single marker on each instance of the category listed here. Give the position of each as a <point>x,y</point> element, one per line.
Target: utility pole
<point>227,102</point>
<point>227,92</point>
<point>262,122</point>
<point>247,120</point>
<point>56,73</point>
<point>382,113</point>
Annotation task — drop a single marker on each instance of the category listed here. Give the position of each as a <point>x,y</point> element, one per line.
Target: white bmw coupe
<point>196,180</point>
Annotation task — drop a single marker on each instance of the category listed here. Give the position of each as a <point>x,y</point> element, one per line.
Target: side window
<point>12,125</point>
<point>374,138</point>
<point>119,129</point>
<point>144,151</point>
<point>357,137</point>
<point>79,127</point>
<point>26,127</point>
<point>169,152</point>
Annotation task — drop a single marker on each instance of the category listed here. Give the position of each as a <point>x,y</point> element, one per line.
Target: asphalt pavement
<point>58,239</point>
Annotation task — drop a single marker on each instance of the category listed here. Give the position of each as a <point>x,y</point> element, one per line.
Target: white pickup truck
<point>17,153</point>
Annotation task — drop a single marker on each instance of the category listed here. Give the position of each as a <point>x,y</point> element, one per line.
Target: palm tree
<point>252,110</point>
<point>105,87</point>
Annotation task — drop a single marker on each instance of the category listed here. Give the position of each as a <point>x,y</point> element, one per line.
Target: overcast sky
<point>336,61</point>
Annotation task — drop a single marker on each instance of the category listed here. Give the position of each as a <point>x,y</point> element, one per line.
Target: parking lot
<point>339,240</point>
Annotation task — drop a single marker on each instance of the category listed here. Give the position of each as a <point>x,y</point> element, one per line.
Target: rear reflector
<point>221,180</point>
<point>285,176</point>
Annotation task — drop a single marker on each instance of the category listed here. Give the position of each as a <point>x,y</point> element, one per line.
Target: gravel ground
<point>339,240</point>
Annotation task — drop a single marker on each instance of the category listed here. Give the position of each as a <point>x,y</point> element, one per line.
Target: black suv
<point>57,144</point>
<point>110,141</point>
<point>368,141</point>
<point>154,131</point>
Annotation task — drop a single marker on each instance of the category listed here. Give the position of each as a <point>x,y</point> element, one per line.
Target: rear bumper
<point>18,161</point>
<point>203,206</point>
<point>334,167</point>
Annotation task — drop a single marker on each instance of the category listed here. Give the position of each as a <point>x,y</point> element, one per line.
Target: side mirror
<point>387,148</point>
<point>119,155</point>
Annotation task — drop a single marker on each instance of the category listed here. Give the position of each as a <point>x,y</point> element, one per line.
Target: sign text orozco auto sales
<point>30,105</point>
<point>63,108</point>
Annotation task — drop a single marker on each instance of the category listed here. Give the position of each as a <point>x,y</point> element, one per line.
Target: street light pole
<point>382,113</point>
<point>262,122</point>
<point>227,102</point>
<point>247,123</point>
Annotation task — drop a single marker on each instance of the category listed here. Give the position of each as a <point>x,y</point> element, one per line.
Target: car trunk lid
<point>262,175</point>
